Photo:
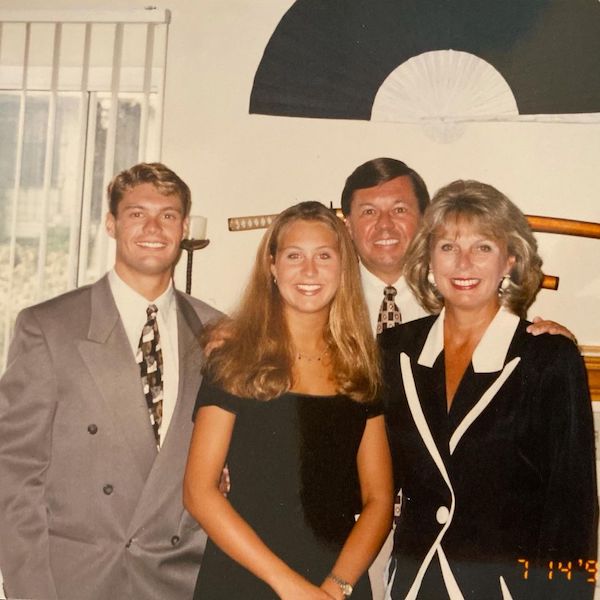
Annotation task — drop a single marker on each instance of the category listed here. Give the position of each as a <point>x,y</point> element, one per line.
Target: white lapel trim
<point>490,353</point>
<point>434,343</point>
<point>425,433</point>
<point>449,579</point>
<point>483,402</point>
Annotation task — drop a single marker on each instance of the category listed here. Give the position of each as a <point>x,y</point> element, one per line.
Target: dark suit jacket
<point>88,509</point>
<point>504,483</point>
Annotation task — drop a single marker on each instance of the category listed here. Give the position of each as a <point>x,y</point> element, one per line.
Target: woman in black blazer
<point>490,427</point>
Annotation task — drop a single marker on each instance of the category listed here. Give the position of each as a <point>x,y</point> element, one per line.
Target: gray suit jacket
<point>88,509</point>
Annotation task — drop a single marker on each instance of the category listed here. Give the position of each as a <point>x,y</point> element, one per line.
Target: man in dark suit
<point>95,418</point>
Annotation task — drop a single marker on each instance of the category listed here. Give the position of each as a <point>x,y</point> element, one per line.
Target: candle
<point>197,227</point>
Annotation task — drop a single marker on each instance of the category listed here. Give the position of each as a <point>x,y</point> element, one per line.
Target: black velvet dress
<point>292,463</point>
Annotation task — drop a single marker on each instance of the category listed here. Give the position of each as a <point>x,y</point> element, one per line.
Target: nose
<point>308,267</point>
<point>151,223</point>
<point>464,259</point>
<point>384,220</point>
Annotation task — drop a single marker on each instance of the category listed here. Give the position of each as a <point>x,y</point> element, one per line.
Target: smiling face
<point>468,266</point>
<point>382,222</point>
<point>307,267</point>
<point>148,229</point>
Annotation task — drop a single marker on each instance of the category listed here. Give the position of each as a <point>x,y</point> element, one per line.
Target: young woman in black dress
<point>289,403</point>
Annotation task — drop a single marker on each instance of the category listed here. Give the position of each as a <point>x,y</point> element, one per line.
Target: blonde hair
<point>495,216</point>
<point>256,358</point>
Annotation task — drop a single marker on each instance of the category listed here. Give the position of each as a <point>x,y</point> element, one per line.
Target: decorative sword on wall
<point>537,223</point>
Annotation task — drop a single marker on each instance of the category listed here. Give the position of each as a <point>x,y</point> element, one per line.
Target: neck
<point>306,332</point>
<point>148,286</point>
<point>389,278</point>
<point>465,325</point>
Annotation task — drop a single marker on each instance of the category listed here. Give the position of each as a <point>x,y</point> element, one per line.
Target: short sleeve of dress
<point>211,394</point>
<point>374,408</point>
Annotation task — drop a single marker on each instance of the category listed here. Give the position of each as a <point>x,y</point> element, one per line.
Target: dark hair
<point>381,170</point>
<point>167,183</point>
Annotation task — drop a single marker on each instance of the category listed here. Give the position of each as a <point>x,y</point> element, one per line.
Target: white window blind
<point>81,95</point>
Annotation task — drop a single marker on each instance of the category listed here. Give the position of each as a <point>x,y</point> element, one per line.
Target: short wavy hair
<point>377,172</point>
<point>496,217</point>
<point>166,182</point>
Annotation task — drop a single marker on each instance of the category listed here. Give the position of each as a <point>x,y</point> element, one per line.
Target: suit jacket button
<point>108,489</point>
<point>93,429</point>
<point>442,515</point>
<point>175,540</point>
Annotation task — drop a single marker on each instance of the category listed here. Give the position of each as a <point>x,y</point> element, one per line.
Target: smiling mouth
<point>386,242</point>
<point>465,283</point>
<point>155,245</point>
<point>308,288</point>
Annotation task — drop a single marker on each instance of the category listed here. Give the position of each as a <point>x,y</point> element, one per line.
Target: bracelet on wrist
<point>342,584</point>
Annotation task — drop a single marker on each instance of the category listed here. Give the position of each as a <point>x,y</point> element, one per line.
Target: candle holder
<point>190,246</point>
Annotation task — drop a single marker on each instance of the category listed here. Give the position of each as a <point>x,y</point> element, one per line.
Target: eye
<point>324,255</point>
<point>485,248</point>
<point>399,210</point>
<point>368,212</point>
<point>292,255</point>
<point>446,247</point>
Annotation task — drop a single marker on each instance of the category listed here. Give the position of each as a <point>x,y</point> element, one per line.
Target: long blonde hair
<point>256,358</point>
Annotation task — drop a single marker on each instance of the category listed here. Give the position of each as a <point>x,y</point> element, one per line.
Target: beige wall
<point>240,164</point>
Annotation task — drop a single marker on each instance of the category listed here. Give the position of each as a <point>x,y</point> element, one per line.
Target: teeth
<point>305,287</point>
<point>465,282</point>
<point>151,244</point>
<point>387,242</point>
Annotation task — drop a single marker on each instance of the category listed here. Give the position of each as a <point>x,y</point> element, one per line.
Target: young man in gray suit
<point>95,418</point>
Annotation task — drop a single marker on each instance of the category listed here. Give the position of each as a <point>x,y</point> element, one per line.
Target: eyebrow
<point>294,247</point>
<point>143,207</point>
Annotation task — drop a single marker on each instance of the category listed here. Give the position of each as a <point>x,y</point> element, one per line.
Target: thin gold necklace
<point>308,358</point>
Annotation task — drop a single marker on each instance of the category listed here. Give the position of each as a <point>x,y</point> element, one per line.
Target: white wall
<point>241,164</point>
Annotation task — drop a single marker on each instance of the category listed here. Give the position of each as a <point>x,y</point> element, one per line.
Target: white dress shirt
<point>132,309</point>
<point>373,288</point>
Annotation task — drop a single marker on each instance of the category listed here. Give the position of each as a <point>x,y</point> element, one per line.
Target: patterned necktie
<point>149,357</point>
<point>389,313</point>
<point>389,316</point>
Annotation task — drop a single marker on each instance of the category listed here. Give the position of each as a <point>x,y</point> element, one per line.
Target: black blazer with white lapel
<point>504,482</point>
<point>88,508</point>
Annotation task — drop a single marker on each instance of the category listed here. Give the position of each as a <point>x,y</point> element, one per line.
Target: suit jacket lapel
<point>189,329</point>
<point>166,476</point>
<point>108,356</point>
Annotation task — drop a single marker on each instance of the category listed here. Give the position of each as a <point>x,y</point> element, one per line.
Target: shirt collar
<point>373,282</point>
<point>131,304</point>
<point>489,355</point>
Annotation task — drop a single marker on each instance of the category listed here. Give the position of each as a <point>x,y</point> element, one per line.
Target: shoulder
<point>204,311</point>
<point>212,394</point>
<point>544,348</point>
<point>406,337</point>
<point>552,357</point>
<point>60,310</point>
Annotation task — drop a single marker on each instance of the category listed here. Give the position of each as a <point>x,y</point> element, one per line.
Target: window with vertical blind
<point>80,99</point>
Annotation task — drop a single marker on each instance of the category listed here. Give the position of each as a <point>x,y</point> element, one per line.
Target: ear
<point>186,227</point>
<point>510,263</point>
<point>273,268</point>
<point>110,224</point>
<point>348,226</point>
